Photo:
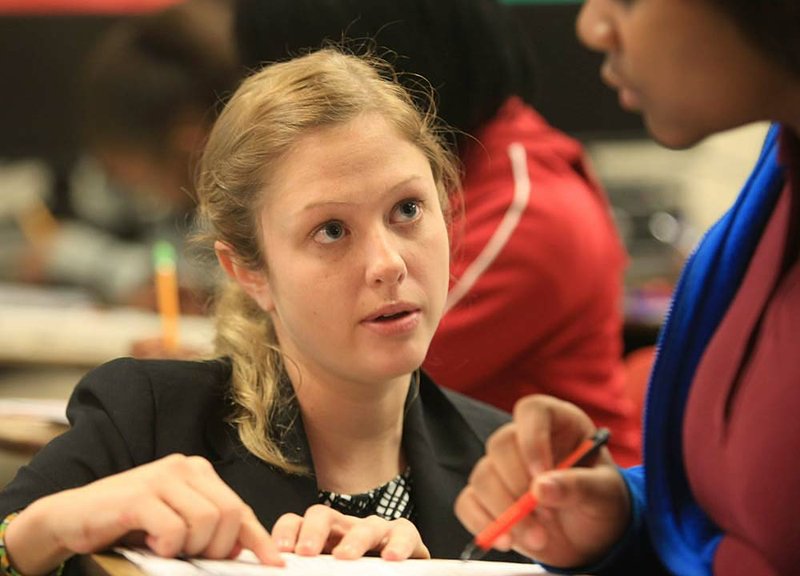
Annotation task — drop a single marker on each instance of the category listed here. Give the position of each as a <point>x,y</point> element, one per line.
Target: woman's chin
<point>672,135</point>
<point>391,368</point>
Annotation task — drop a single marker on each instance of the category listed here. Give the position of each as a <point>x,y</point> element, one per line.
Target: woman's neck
<point>354,430</point>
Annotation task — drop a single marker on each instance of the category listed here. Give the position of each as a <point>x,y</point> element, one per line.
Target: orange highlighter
<point>526,504</point>
<point>167,293</point>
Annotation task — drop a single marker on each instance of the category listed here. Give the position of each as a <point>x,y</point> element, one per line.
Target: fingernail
<point>344,551</point>
<point>285,544</point>
<point>278,560</point>
<point>306,547</point>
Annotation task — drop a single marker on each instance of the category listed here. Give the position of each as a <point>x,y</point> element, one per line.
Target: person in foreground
<point>717,493</point>
<point>325,192</point>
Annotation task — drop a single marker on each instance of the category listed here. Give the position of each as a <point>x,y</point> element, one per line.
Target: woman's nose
<point>385,263</point>
<point>594,26</point>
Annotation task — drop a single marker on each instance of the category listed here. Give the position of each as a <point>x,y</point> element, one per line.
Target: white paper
<point>323,565</point>
<point>156,565</point>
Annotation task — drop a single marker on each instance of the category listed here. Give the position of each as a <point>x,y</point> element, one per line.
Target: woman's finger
<point>474,517</point>
<point>320,524</point>
<point>404,541</point>
<point>490,489</point>
<point>255,538</point>
<point>237,525</point>
<point>508,462</point>
<point>200,515</point>
<point>228,509</point>
<point>395,539</point>
<point>363,535</point>
<point>286,530</point>
<point>547,429</point>
<point>218,521</point>
<point>166,530</point>
<point>594,492</point>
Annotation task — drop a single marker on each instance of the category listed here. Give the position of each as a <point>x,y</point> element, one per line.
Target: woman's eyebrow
<point>318,204</point>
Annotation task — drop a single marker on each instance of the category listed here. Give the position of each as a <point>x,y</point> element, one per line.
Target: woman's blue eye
<point>330,232</point>
<point>409,209</point>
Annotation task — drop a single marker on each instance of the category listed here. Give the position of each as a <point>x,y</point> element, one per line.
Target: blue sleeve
<point>633,553</point>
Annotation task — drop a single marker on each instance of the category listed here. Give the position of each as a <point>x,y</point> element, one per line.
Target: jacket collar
<point>440,446</point>
<point>441,450</point>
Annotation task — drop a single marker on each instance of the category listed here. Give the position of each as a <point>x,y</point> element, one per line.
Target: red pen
<point>526,504</point>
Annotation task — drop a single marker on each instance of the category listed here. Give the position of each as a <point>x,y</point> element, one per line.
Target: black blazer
<point>130,412</point>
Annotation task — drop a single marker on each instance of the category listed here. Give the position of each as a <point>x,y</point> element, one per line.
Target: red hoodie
<point>535,303</point>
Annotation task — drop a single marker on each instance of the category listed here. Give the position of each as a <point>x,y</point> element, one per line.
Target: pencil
<point>166,279</point>
<point>37,223</point>
<point>526,504</point>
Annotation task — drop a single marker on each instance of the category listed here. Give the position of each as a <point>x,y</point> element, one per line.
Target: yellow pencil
<point>37,222</point>
<point>167,293</point>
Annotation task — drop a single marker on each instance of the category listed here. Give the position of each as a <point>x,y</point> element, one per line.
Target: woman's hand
<point>581,512</point>
<point>323,529</point>
<point>177,504</point>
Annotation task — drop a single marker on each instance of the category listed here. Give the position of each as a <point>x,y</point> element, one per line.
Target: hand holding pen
<point>573,515</point>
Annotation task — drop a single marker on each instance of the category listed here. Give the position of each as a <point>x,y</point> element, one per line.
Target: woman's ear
<point>253,282</point>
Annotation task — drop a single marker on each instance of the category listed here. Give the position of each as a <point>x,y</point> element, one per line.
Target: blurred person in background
<point>150,92</point>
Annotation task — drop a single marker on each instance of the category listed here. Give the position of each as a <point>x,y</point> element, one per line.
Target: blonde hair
<point>266,116</point>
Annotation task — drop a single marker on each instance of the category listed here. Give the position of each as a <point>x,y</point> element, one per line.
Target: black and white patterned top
<point>390,501</point>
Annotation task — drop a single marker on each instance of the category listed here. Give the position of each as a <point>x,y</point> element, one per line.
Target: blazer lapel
<point>441,450</point>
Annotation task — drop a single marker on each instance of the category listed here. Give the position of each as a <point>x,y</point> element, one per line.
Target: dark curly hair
<point>471,51</point>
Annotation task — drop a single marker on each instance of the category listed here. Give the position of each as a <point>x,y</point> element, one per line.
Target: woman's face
<point>357,253</point>
<point>686,66</point>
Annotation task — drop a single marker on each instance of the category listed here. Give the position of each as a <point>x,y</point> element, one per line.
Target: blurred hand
<point>581,512</point>
<point>177,504</point>
<point>325,530</point>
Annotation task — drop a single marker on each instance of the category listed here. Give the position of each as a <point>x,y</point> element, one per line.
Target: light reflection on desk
<point>20,438</point>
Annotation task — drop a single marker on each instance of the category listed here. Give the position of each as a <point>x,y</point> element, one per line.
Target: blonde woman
<point>326,196</point>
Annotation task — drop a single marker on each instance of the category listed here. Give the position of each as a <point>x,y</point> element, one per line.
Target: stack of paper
<point>324,565</point>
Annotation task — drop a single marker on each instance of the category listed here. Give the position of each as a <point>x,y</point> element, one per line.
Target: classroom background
<point>663,200</point>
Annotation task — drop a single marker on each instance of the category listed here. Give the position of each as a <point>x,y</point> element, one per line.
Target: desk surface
<point>108,565</point>
<point>83,336</point>
<point>26,436</point>
<point>23,436</point>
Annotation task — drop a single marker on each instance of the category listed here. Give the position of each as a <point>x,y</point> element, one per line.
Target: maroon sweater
<point>742,423</point>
